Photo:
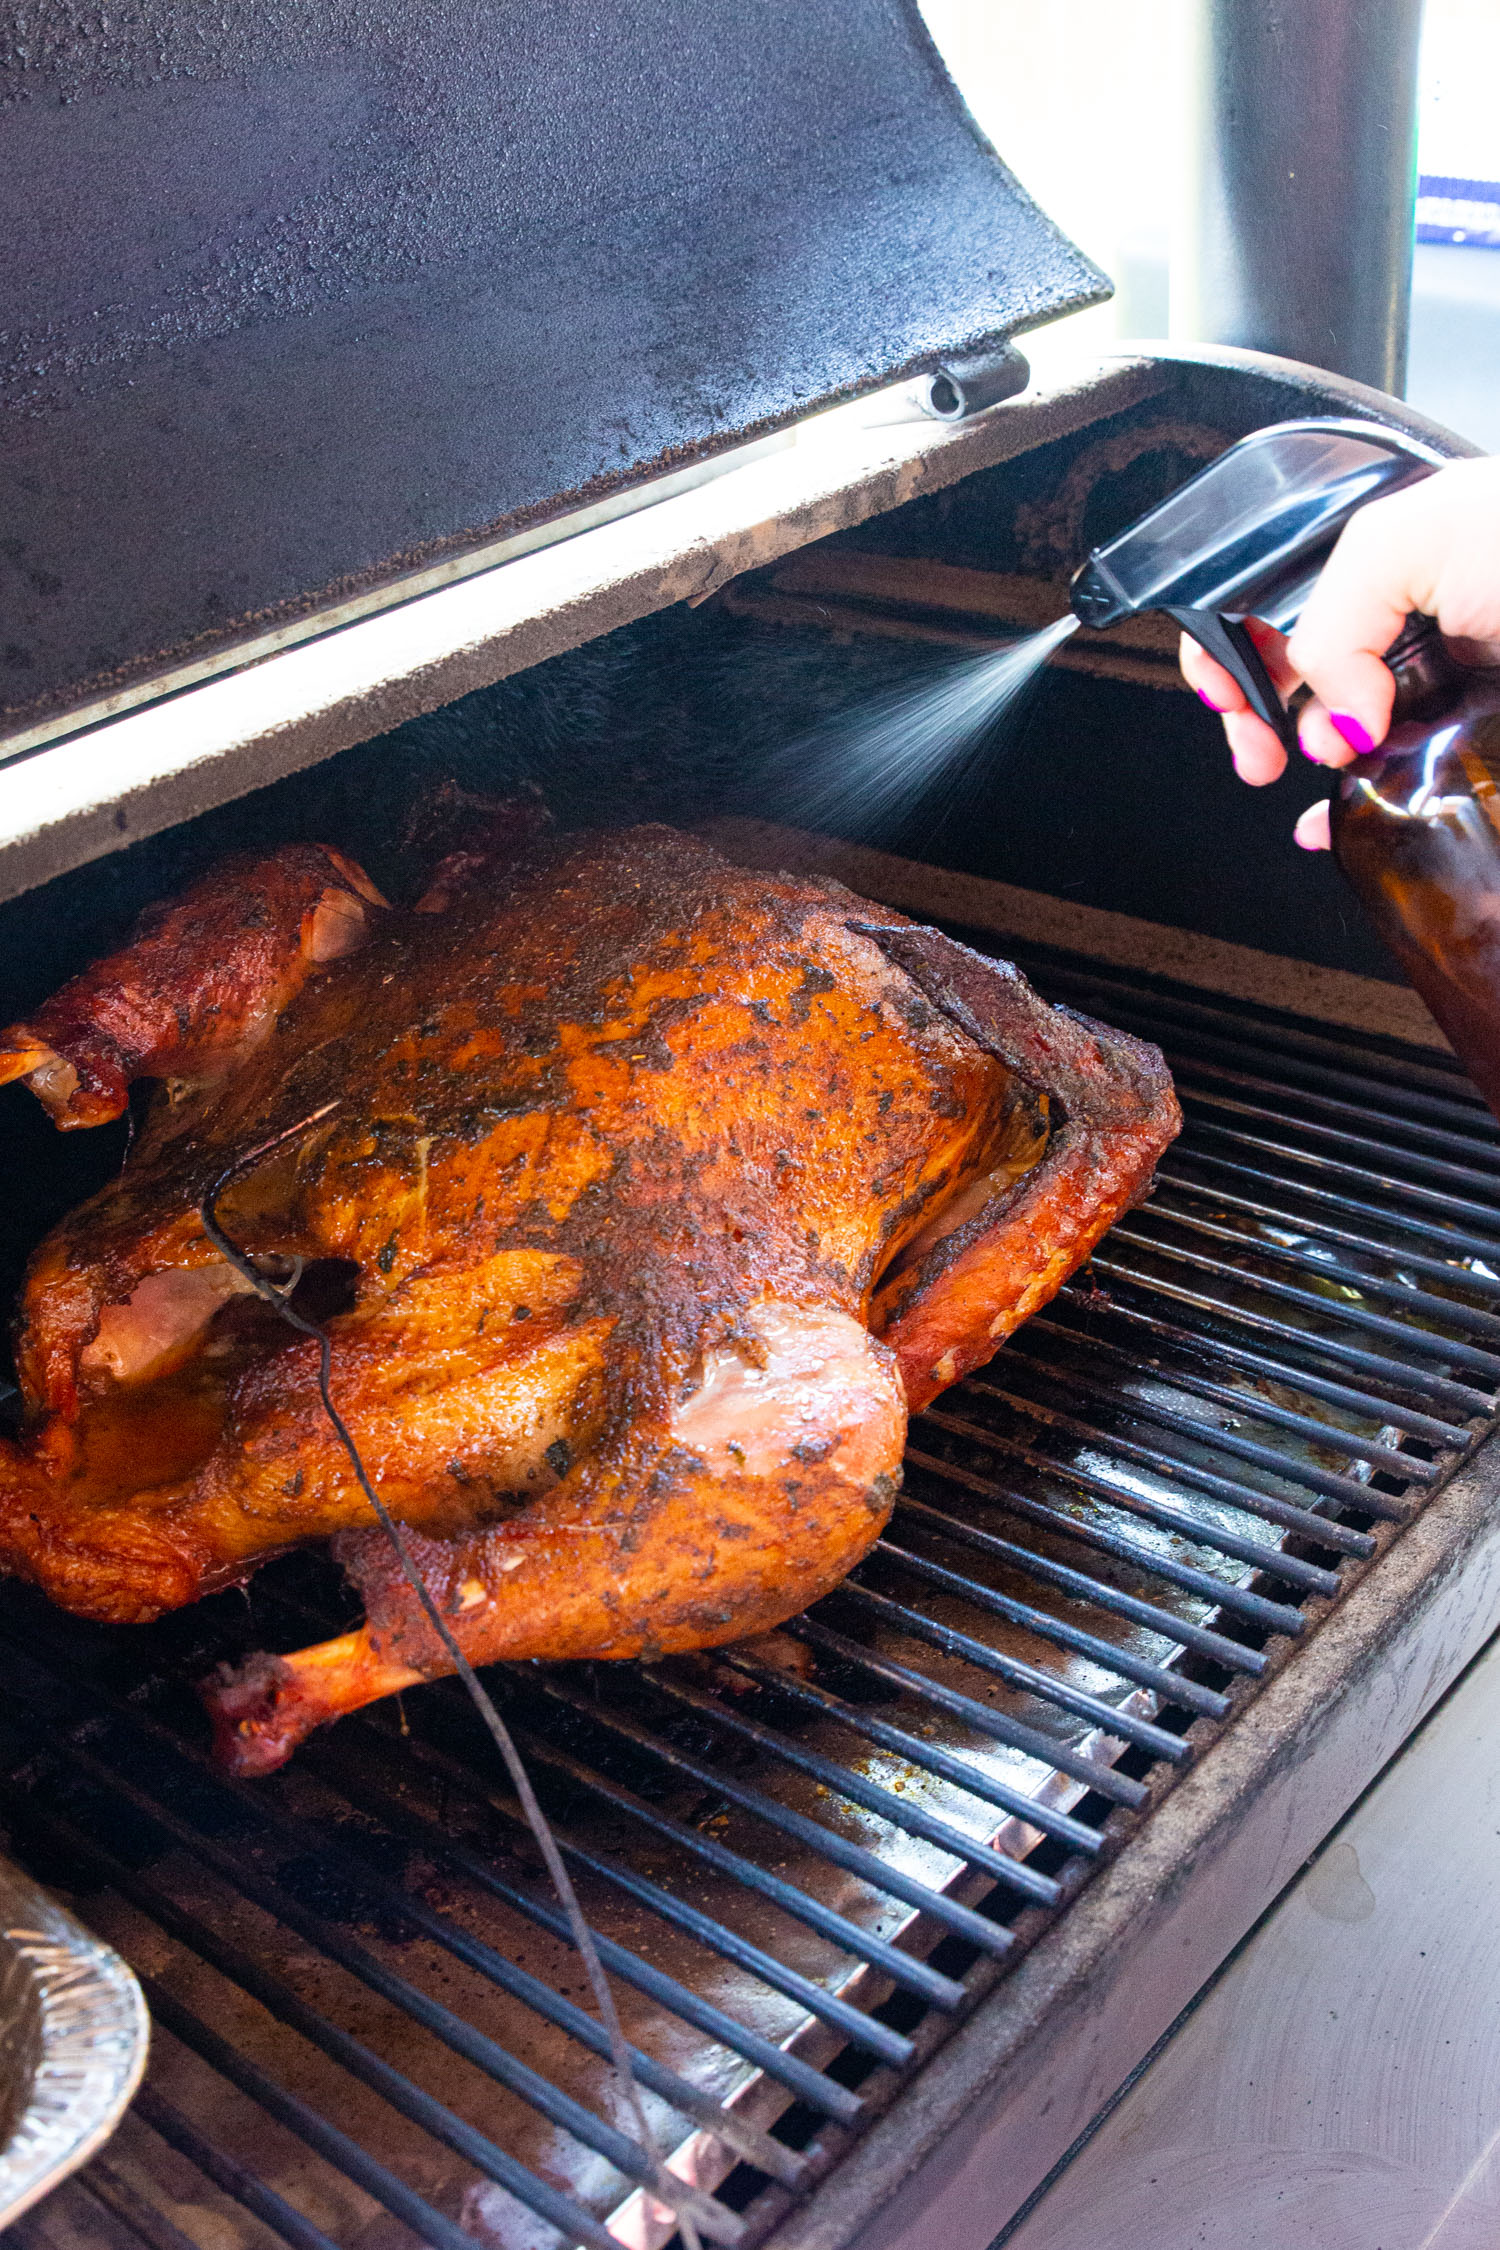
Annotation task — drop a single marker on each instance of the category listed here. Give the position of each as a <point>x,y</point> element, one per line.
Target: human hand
<point>1434,548</point>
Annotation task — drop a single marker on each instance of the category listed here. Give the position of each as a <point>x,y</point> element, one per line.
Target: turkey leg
<point>199,981</point>
<point>763,1489</point>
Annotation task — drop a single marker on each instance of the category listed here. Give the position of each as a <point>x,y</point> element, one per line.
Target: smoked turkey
<point>655,1194</point>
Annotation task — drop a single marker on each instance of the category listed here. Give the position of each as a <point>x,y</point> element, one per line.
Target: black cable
<point>536,1819</point>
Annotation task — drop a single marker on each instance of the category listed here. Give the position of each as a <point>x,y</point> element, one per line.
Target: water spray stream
<point>871,764</point>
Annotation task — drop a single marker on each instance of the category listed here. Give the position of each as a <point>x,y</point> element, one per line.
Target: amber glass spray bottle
<point>1416,826</point>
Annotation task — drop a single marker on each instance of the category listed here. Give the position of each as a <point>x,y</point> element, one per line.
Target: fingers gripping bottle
<point>1416,826</point>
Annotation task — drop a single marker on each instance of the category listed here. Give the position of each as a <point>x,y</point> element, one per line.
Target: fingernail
<point>1221,708</point>
<point>1358,737</point>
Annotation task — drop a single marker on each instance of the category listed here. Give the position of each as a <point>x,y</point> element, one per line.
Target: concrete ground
<point>1339,2087</point>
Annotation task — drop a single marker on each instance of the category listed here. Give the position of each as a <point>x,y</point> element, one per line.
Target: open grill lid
<point>304,298</point>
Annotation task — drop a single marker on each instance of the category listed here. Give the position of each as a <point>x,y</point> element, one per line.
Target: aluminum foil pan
<point>73,2038</point>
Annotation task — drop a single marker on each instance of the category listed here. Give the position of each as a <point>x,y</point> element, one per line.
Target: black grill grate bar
<point>1438,1207</point>
<point>116,2198</point>
<point>1272,1617</point>
<point>855,1859</point>
<point>409,2100</point>
<point>1189,1694</point>
<point>1205,1344</point>
<point>1405,1107</point>
<point>1253,1407</point>
<point>1430,1072</point>
<point>1251,1027</point>
<point>708,1931</point>
<point>335,2147</point>
<point>874,2038</point>
<point>882,1609</point>
<point>1179,1467</point>
<point>938,1990</point>
<point>1378,1366</point>
<point>1167,1686</point>
<point>1469,1320</point>
<point>1467,1150</point>
<point>1103,1780</point>
<point>231,2177</point>
<point>1477,1317</point>
<point>1375,1174</point>
<point>301,1837</point>
<point>422,2109</point>
<point>1348,1489</point>
<point>1431,1080</point>
<point>809,2086</point>
<point>1440,1120</point>
<point>769,2156</point>
<point>971,1850</point>
<point>1200,1638</point>
<point>788,1895</point>
<point>1448,1349</point>
<point>1449,1267</point>
<point>927,1755</point>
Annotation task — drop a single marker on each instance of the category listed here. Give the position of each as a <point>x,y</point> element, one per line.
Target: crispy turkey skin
<point>656,1193</point>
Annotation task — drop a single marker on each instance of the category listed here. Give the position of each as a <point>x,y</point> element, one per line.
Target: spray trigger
<point>1228,641</point>
<point>1246,537</point>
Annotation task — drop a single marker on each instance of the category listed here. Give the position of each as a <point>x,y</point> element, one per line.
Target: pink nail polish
<point>1358,737</point>
<point>1208,699</point>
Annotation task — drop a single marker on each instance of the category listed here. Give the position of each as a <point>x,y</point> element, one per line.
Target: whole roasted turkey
<point>655,1194</point>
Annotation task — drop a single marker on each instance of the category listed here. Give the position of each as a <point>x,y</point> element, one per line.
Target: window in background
<point>1454,370</point>
<point>1085,100</point>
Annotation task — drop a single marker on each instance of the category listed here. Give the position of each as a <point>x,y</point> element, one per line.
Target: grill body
<point>894,1906</point>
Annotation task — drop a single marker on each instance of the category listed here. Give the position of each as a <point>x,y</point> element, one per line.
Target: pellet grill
<point>351,351</point>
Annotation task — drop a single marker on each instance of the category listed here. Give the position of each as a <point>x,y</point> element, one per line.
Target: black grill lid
<point>307,294</point>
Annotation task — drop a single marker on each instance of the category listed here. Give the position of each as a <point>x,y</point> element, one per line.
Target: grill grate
<point>808,1859</point>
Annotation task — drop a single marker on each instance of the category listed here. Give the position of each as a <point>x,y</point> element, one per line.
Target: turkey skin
<point>642,1198</point>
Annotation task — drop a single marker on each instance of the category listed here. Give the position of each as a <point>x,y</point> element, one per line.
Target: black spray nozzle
<point>1247,537</point>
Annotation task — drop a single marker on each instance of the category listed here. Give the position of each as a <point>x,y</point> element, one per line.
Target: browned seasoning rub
<point>657,1194</point>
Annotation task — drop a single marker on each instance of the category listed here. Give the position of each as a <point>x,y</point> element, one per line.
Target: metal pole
<point>1298,219</point>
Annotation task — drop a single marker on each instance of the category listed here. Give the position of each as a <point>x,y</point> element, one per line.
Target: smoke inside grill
<point>805,1863</point>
